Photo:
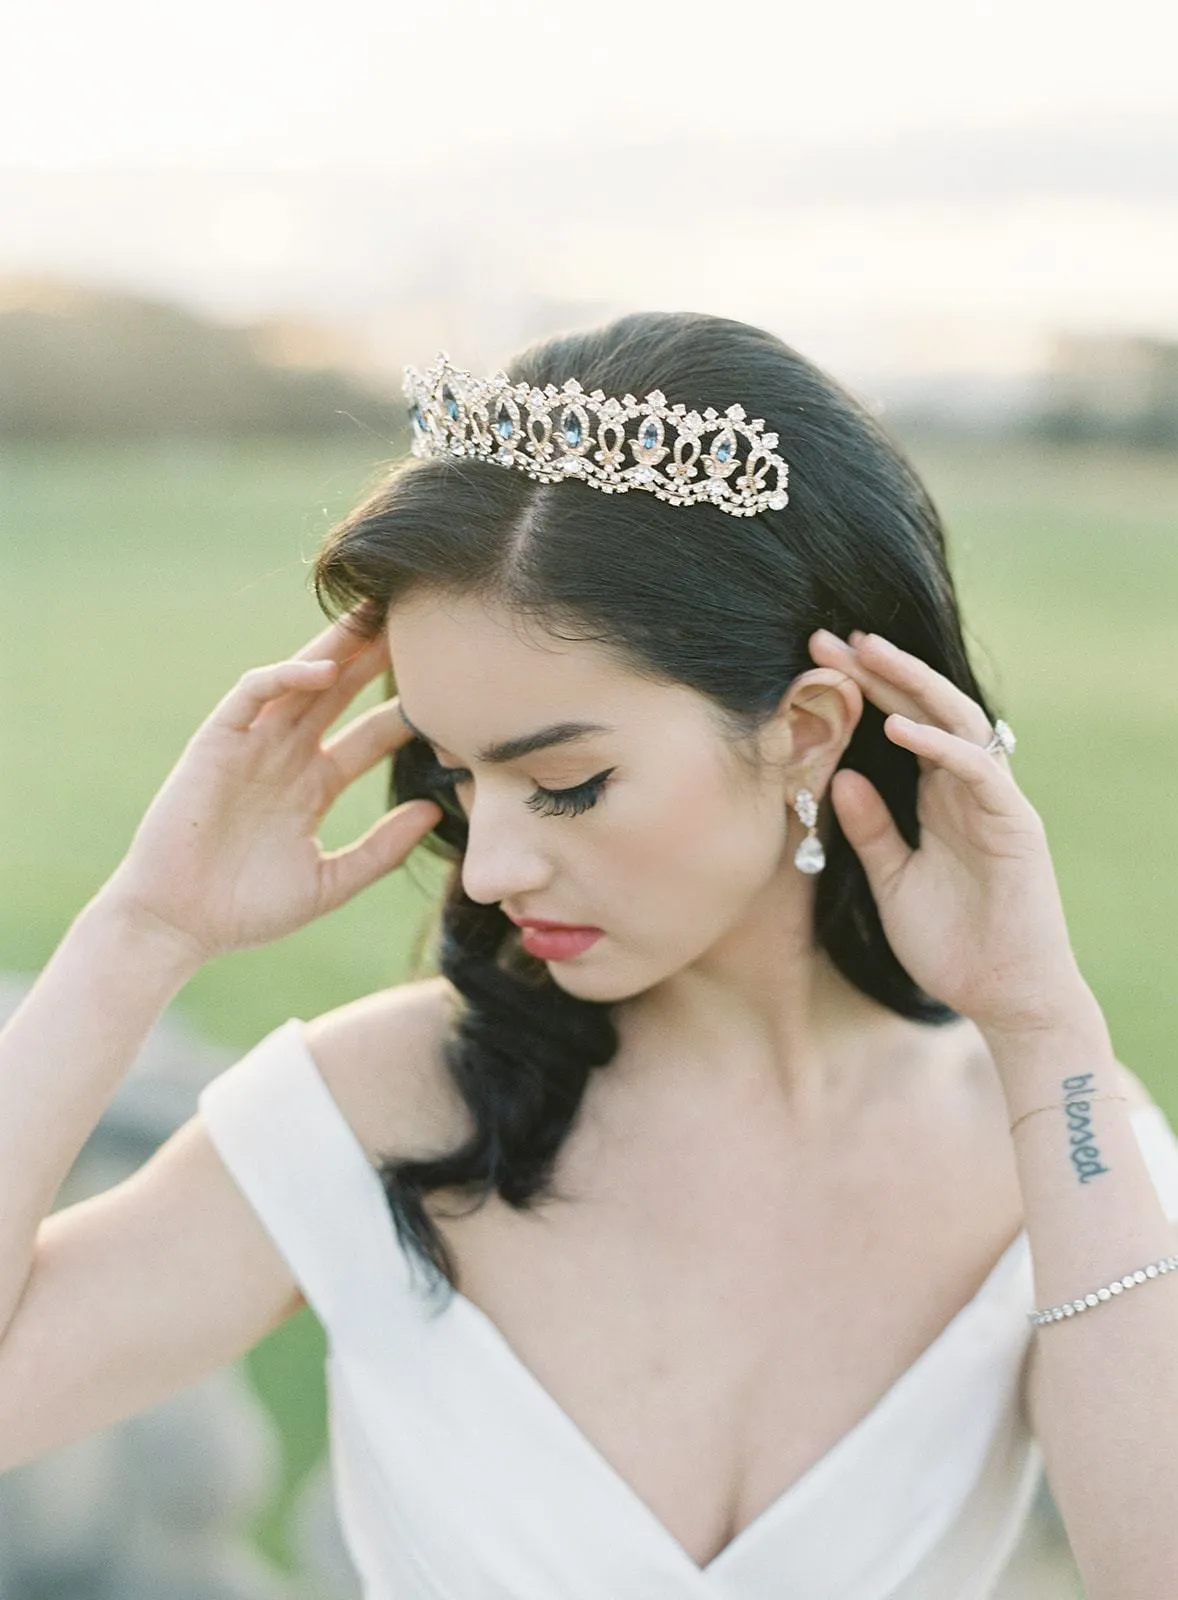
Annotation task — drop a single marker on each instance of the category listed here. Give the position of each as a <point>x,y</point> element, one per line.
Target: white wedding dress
<point>458,1477</point>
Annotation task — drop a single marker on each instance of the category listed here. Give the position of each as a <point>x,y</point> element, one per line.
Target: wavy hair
<point>693,595</point>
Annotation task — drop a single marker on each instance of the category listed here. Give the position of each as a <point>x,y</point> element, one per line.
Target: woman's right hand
<point>227,855</point>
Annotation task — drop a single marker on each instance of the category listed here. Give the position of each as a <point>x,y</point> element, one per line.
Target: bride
<point>701,1225</point>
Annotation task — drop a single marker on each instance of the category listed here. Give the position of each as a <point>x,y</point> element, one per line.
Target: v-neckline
<point>459,1312</point>
<point>546,1404</point>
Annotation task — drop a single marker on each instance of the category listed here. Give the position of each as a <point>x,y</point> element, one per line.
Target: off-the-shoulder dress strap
<point>296,1158</point>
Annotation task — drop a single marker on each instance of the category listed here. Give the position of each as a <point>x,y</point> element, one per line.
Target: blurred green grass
<point>137,582</point>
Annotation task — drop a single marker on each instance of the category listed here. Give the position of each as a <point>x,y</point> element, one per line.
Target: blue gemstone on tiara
<point>504,426</point>
<point>723,450</point>
<point>572,430</point>
<point>450,402</point>
<point>416,417</point>
<point>650,436</point>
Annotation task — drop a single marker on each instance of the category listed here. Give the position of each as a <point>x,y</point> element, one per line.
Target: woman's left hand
<point>974,913</point>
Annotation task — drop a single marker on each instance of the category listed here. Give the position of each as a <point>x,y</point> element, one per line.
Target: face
<point>649,828</point>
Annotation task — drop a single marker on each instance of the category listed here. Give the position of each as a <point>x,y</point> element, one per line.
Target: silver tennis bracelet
<point>1071,1308</point>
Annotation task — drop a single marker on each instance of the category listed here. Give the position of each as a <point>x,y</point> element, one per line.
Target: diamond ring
<point>1001,739</point>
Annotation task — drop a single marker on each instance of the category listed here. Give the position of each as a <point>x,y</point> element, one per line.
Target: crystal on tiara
<point>551,434</point>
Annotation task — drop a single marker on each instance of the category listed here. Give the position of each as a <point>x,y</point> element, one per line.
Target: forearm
<point>64,1052</point>
<point>1106,1382</point>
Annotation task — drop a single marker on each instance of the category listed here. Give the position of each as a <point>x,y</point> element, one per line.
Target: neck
<point>765,1010</point>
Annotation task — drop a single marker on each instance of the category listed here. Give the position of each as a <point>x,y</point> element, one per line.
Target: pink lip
<point>558,943</point>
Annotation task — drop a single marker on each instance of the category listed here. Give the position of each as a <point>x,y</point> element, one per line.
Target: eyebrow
<point>505,750</point>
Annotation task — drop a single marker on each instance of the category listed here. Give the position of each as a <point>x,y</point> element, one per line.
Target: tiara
<point>553,434</point>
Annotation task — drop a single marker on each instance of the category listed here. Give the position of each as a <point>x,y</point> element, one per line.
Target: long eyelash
<point>548,802</point>
<point>569,802</point>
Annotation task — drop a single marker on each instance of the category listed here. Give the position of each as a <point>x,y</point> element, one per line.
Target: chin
<point>605,984</point>
<point>589,986</point>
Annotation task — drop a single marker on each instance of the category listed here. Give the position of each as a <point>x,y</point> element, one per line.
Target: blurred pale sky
<point>233,82</point>
<point>910,188</point>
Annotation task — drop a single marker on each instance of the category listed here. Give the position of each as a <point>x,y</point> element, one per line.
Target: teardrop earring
<point>810,856</point>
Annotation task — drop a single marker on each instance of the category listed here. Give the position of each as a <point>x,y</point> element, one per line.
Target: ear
<point>812,726</point>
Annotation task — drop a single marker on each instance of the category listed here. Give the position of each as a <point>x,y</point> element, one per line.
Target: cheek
<point>696,848</point>
<point>671,874</point>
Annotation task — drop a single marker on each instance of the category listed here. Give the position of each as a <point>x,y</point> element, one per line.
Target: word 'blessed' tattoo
<point>1085,1155</point>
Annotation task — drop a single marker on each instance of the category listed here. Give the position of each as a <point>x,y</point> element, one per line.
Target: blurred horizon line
<point>914,258</point>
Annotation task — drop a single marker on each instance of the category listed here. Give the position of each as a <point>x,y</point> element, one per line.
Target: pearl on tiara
<point>553,434</point>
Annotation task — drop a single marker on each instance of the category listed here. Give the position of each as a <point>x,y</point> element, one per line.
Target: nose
<point>503,859</point>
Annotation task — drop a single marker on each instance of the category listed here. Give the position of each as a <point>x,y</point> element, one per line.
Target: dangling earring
<point>810,856</point>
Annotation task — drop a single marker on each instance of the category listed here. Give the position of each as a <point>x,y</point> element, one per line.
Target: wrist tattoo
<point>1078,1109</point>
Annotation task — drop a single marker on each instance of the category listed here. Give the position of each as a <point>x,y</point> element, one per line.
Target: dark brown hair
<point>722,604</point>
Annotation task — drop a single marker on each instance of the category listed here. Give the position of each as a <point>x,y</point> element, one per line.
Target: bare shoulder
<point>382,1058</point>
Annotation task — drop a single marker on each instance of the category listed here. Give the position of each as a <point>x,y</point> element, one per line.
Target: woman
<point>757,1074</point>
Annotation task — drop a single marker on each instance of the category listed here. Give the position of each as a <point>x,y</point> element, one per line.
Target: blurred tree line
<point>85,363</point>
<point>1111,388</point>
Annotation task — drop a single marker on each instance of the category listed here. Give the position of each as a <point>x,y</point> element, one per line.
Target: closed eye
<point>548,802</point>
